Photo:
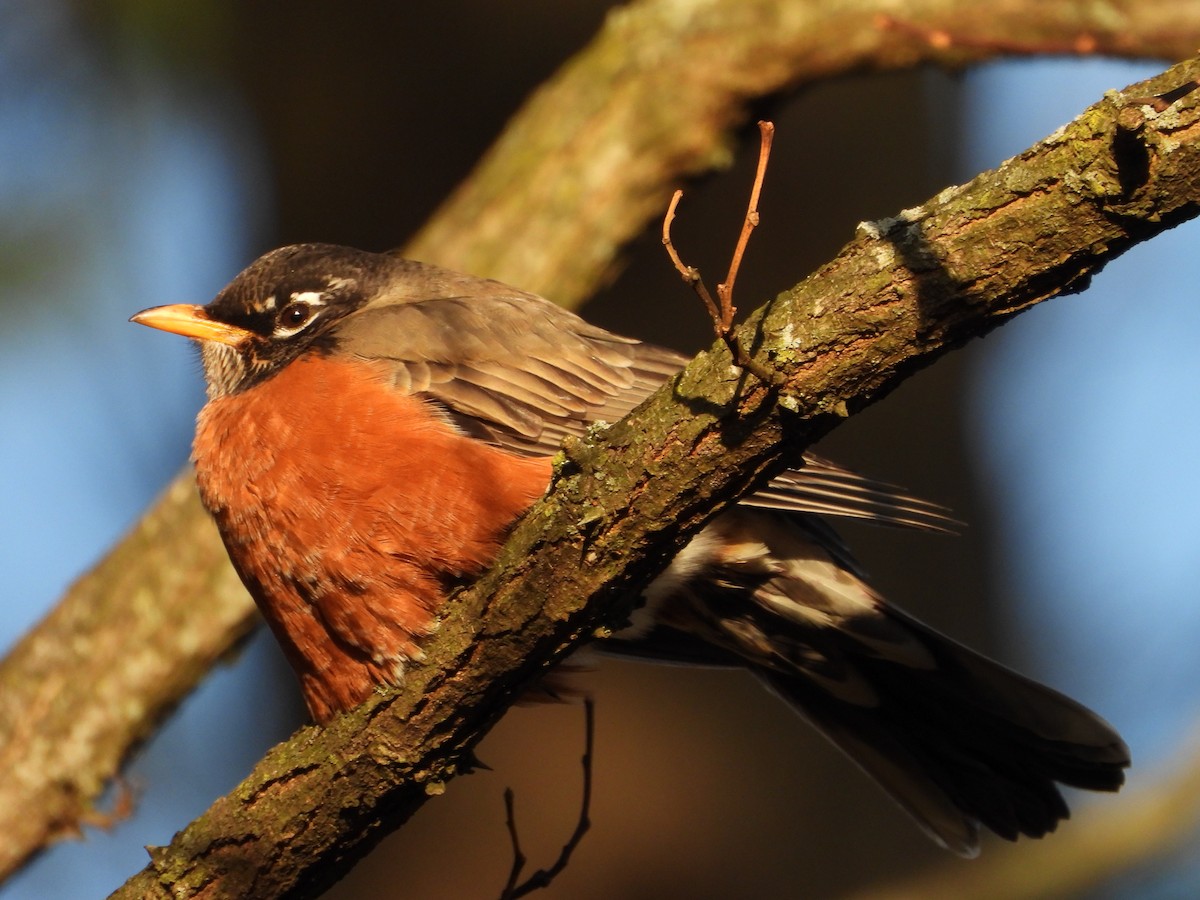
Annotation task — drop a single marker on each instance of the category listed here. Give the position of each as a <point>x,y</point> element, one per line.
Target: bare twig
<point>542,877</point>
<point>725,289</point>
<point>722,310</point>
<point>691,275</point>
<point>519,858</point>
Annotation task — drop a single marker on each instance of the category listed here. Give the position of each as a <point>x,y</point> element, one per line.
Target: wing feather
<point>522,373</point>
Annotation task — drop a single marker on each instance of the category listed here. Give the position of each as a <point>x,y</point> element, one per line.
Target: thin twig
<point>723,312</point>
<point>725,289</point>
<point>519,858</point>
<point>690,274</point>
<point>543,877</point>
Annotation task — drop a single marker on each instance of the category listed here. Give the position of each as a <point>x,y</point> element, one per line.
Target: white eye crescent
<point>297,313</point>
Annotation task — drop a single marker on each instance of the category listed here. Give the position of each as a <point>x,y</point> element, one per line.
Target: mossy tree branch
<point>903,293</point>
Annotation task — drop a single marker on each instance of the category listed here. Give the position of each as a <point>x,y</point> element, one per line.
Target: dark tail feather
<point>964,743</point>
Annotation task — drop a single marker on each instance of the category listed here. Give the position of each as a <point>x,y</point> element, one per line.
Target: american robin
<point>374,427</point>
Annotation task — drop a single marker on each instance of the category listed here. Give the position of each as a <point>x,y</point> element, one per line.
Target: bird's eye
<point>294,315</point>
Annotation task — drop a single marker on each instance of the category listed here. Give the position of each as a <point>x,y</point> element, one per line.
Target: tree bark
<point>904,292</point>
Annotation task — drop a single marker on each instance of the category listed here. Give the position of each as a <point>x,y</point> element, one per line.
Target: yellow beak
<point>191,321</point>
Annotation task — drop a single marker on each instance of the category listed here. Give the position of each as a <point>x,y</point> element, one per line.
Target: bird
<point>374,426</point>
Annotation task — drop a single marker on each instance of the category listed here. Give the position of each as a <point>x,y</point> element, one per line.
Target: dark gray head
<point>283,304</point>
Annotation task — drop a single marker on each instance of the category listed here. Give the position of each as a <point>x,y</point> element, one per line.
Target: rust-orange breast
<point>346,506</point>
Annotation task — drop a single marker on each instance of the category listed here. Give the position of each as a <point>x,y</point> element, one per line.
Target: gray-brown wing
<point>522,373</point>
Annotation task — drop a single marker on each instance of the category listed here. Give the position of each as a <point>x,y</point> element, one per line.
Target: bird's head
<point>285,304</point>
